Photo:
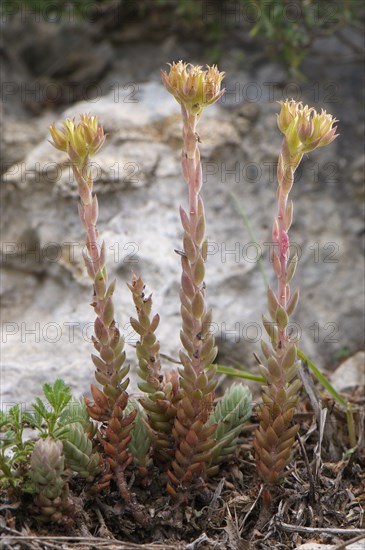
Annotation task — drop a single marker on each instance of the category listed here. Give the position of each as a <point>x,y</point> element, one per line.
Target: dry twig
<point>329,530</point>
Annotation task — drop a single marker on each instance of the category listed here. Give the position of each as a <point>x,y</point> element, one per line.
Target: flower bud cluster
<point>304,128</point>
<point>193,87</point>
<point>78,140</point>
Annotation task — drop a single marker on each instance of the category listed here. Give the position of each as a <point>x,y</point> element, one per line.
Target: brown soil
<point>321,500</point>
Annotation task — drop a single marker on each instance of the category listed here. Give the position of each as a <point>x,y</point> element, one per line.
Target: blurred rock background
<point>63,59</point>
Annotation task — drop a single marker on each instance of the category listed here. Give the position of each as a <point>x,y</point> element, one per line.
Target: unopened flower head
<point>193,87</point>
<point>323,130</point>
<point>78,140</point>
<point>287,114</point>
<point>304,128</point>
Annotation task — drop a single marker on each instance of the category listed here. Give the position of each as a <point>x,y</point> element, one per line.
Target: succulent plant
<point>304,130</point>
<point>47,469</point>
<point>229,415</point>
<point>162,393</point>
<point>81,141</point>
<point>194,89</point>
<point>78,451</point>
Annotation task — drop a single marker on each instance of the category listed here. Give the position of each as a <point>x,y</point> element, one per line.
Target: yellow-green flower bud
<point>193,87</point>
<point>304,128</point>
<point>78,140</point>
<point>59,138</point>
<point>292,136</point>
<point>323,133</point>
<point>287,114</point>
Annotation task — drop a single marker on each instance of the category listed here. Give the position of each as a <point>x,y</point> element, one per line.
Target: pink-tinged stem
<point>192,171</point>
<point>283,243</point>
<point>191,164</point>
<point>286,168</point>
<point>107,339</point>
<point>283,246</point>
<point>88,211</point>
<point>192,435</point>
<point>274,439</point>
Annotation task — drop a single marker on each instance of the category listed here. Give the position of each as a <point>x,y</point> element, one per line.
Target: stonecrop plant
<point>304,130</point>
<point>194,89</point>
<point>176,426</point>
<point>177,429</point>
<point>44,464</point>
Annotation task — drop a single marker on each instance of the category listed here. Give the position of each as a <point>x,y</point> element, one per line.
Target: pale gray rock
<point>350,374</point>
<point>133,105</point>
